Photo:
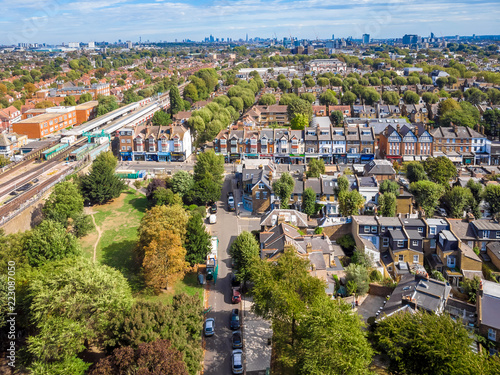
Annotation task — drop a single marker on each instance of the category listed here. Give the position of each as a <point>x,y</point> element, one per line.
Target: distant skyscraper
<point>247,37</point>
<point>129,44</point>
<point>432,35</point>
<point>366,38</point>
<point>333,36</point>
<point>411,39</point>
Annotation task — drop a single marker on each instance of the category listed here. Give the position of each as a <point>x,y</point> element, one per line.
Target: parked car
<point>209,329</point>
<point>441,211</point>
<point>235,295</point>
<point>212,219</point>
<point>230,203</point>
<point>213,208</point>
<point>237,340</point>
<point>237,361</point>
<point>234,281</point>
<point>235,319</point>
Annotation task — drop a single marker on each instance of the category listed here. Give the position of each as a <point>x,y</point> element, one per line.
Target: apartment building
<point>69,88</point>
<point>405,143</point>
<point>53,120</point>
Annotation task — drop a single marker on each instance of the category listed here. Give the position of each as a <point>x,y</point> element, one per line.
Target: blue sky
<point>56,21</point>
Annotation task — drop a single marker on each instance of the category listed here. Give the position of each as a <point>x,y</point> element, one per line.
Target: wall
<point>380,290</point>
<point>337,231</point>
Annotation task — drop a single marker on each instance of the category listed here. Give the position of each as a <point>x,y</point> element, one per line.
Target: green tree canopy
<point>458,200</point>
<point>440,170</point>
<point>390,97</point>
<point>64,202</point>
<point>299,106</point>
<point>267,99</point>
<point>492,198</point>
<point>389,186</point>
<point>161,118</point>
<point>181,182</point>
<point>337,118</point>
<point>350,202</point>
<point>411,97</point>
<point>299,122</point>
<point>315,168</point>
<point>309,202</point>
<point>415,171</point>
<point>197,240</point>
<point>245,251</point>
<point>176,103</point>
<point>283,188</point>
<point>388,204</point>
<point>427,195</point>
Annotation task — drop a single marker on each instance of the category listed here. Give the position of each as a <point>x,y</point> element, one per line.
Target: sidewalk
<point>256,335</point>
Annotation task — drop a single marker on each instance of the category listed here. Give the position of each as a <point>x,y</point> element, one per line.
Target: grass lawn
<point>118,222</point>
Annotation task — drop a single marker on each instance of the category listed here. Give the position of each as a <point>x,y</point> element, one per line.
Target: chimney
<point>482,129</point>
<point>398,128</point>
<point>270,177</point>
<point>455,128</point>
<point>401,189</point>
<point>308,247</point>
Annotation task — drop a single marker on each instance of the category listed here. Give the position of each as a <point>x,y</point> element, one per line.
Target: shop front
<point>177,156</point>
<point>247,202</point>
<point>139,156</point>
<point>282,159</point>
<point>163,156</point>
<point>151,156</point>
<point>366,158</point>
<point>297,158</point>
<point>266,156</point>
<point>339,158</point>
<point>126,156</point>
<point>353,158</point>
<point>251,156</point>
<point>327,158</point>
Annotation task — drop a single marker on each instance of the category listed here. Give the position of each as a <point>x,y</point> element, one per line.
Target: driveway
<point>370,306</point>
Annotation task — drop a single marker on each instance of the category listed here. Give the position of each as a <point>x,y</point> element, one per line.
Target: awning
<point>408,158</point>
<point>366,157</point>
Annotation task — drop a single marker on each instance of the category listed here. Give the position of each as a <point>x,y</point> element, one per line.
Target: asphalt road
<point>228,226</point>
<point>151,166</point>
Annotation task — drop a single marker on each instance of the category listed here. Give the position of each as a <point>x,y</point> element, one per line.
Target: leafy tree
<point>389,186</point>
<point>358,275</point>
<point>207,190</point>
<point>390,97</point>
<point>347,242</point>
<point>448,105</point>
<point>431,344</point>
<point>299,106</point>
<point>272,83</point>
<point>307,96</point>
<point>267,99</point>
<point>157,357</point>
<point>180,322</point>
<point>106,104</point>
<point>161,118</point>
<point>284,85</point>
<point>370,96</point>
<point>211,164</point>
<point>102,184</point>
<point>64,203</point>
<point>476,189</point>
<point>309,202</point>
<point>84,98</point>
<point>328,98</point>
<point>316,167</point>
<point>441,82</point>
<point>181,182</point>
<point>492,198</point>
<point>471,286</point>
<point>236,103</point>
<point>162,196</point>
<point>350,202</point>
<point>309,82</point>
<point>299,122</point>
<point>361,258</point>
<point>283,292</point>
<point>296,83</point>
<point>415,172</point>
<point>342,185</point>
<point>160,218</point>
<point>440,170</point>
<point>283,188</point>
<point>245,251</point>
<point>337,118</point>
<point>388,204</point>
<point>411,97</point>
<point>458,200</point>
<point>323,82</point>
<point>430,98</point>
<point>154,184</point>
<point>176,103</point>
<point>69,100</point>
<point>49,241</point>
<point>427,195</point>
<point>332,340</point>
<point>475,96</point>
<point>197,240</point>
<point>72,301</point>
<point>164,260</point>
<point>348,98</point>
<point>71,365</point>
<point>47,104</point>
<point>287,99</point>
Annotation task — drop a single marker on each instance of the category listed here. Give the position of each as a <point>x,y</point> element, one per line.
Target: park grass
<point>118,222</point>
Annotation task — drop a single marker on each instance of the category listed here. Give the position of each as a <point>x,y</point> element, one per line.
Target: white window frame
<point>367,229</point>
<point>432,230</point>
<point>486,234</point>
<point>420,230</point>
<point>385,242</point>
<point>374,229</point>
<point>401,258</point>
<point>416,259</point>
<point>414,243</point>
<point>401,243</point>
<point>492,334</point>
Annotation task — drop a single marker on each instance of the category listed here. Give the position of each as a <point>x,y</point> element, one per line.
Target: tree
<point>164,260</point>
<point>458,200</point>
<point>475,96</point>
<point>272,83</point>
<point>307,96</point>
<point>284,85</point>
<point>64,202</point>
<point>432,344</point>
<point>476,189</point>
<point>492,198</point>
<point>415,172</point>
<point>388,204</point>
<point>427,195</point>
<point>441,82</point>
<point>448,105</point>
<point>323,82</point>
<point>49,241</point>
<point>69,100</point>
<point>350,202</point>
<point>176,103</point>
<point>348,98</point>
<point>245,251</point>
<point>342,185</point>
<point>236,103</point>
<point>361,258</point>
<point>299,106</point>
<point>470,287</point>
<point>390,97</point>
<point>316,167</point>
<point>157,357</point>
<point>296,83</point>
<point>440,170</point>
<point>181,182</point>
<point>287,99</point>
<point>358,274</point>
<point>267,99</point>
<point>207,190</point>
<point>283,292</point>
<point>161,118</point>
<point>162,196</point>
<point>283,189</point>
<point>84,98</point>
<point>156,220</point>
<point>191,92</point>
<point>197,240</point>
<point>332,341</point>
<point>371,96</point>
<point>411,97</point>
<point>180,322</point>
<point>211,164</point>
<point>299,122</point>
<point>102,184</point>
<point>388,186</point>
<point>47,104</point>
<point>106,104</point>
<point>337,118</point>
<point>72,301</point>
<point>430,98</point>
<point>328,98</point>
<point>309,202</point>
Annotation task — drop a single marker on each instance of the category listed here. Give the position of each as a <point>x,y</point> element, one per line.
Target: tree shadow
<point>36,216</point>
<point>120,255</point>
<point>141,204</point>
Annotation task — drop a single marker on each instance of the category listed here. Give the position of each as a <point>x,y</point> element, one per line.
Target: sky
<point>58,21</point>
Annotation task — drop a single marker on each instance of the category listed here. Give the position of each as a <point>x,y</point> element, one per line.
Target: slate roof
<point>379,167</point>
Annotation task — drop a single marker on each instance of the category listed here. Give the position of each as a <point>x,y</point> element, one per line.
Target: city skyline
<point>57,21</point>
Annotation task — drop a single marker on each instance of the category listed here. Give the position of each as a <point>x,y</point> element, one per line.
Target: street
<point>166,167</point>
<point>228,226</point>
